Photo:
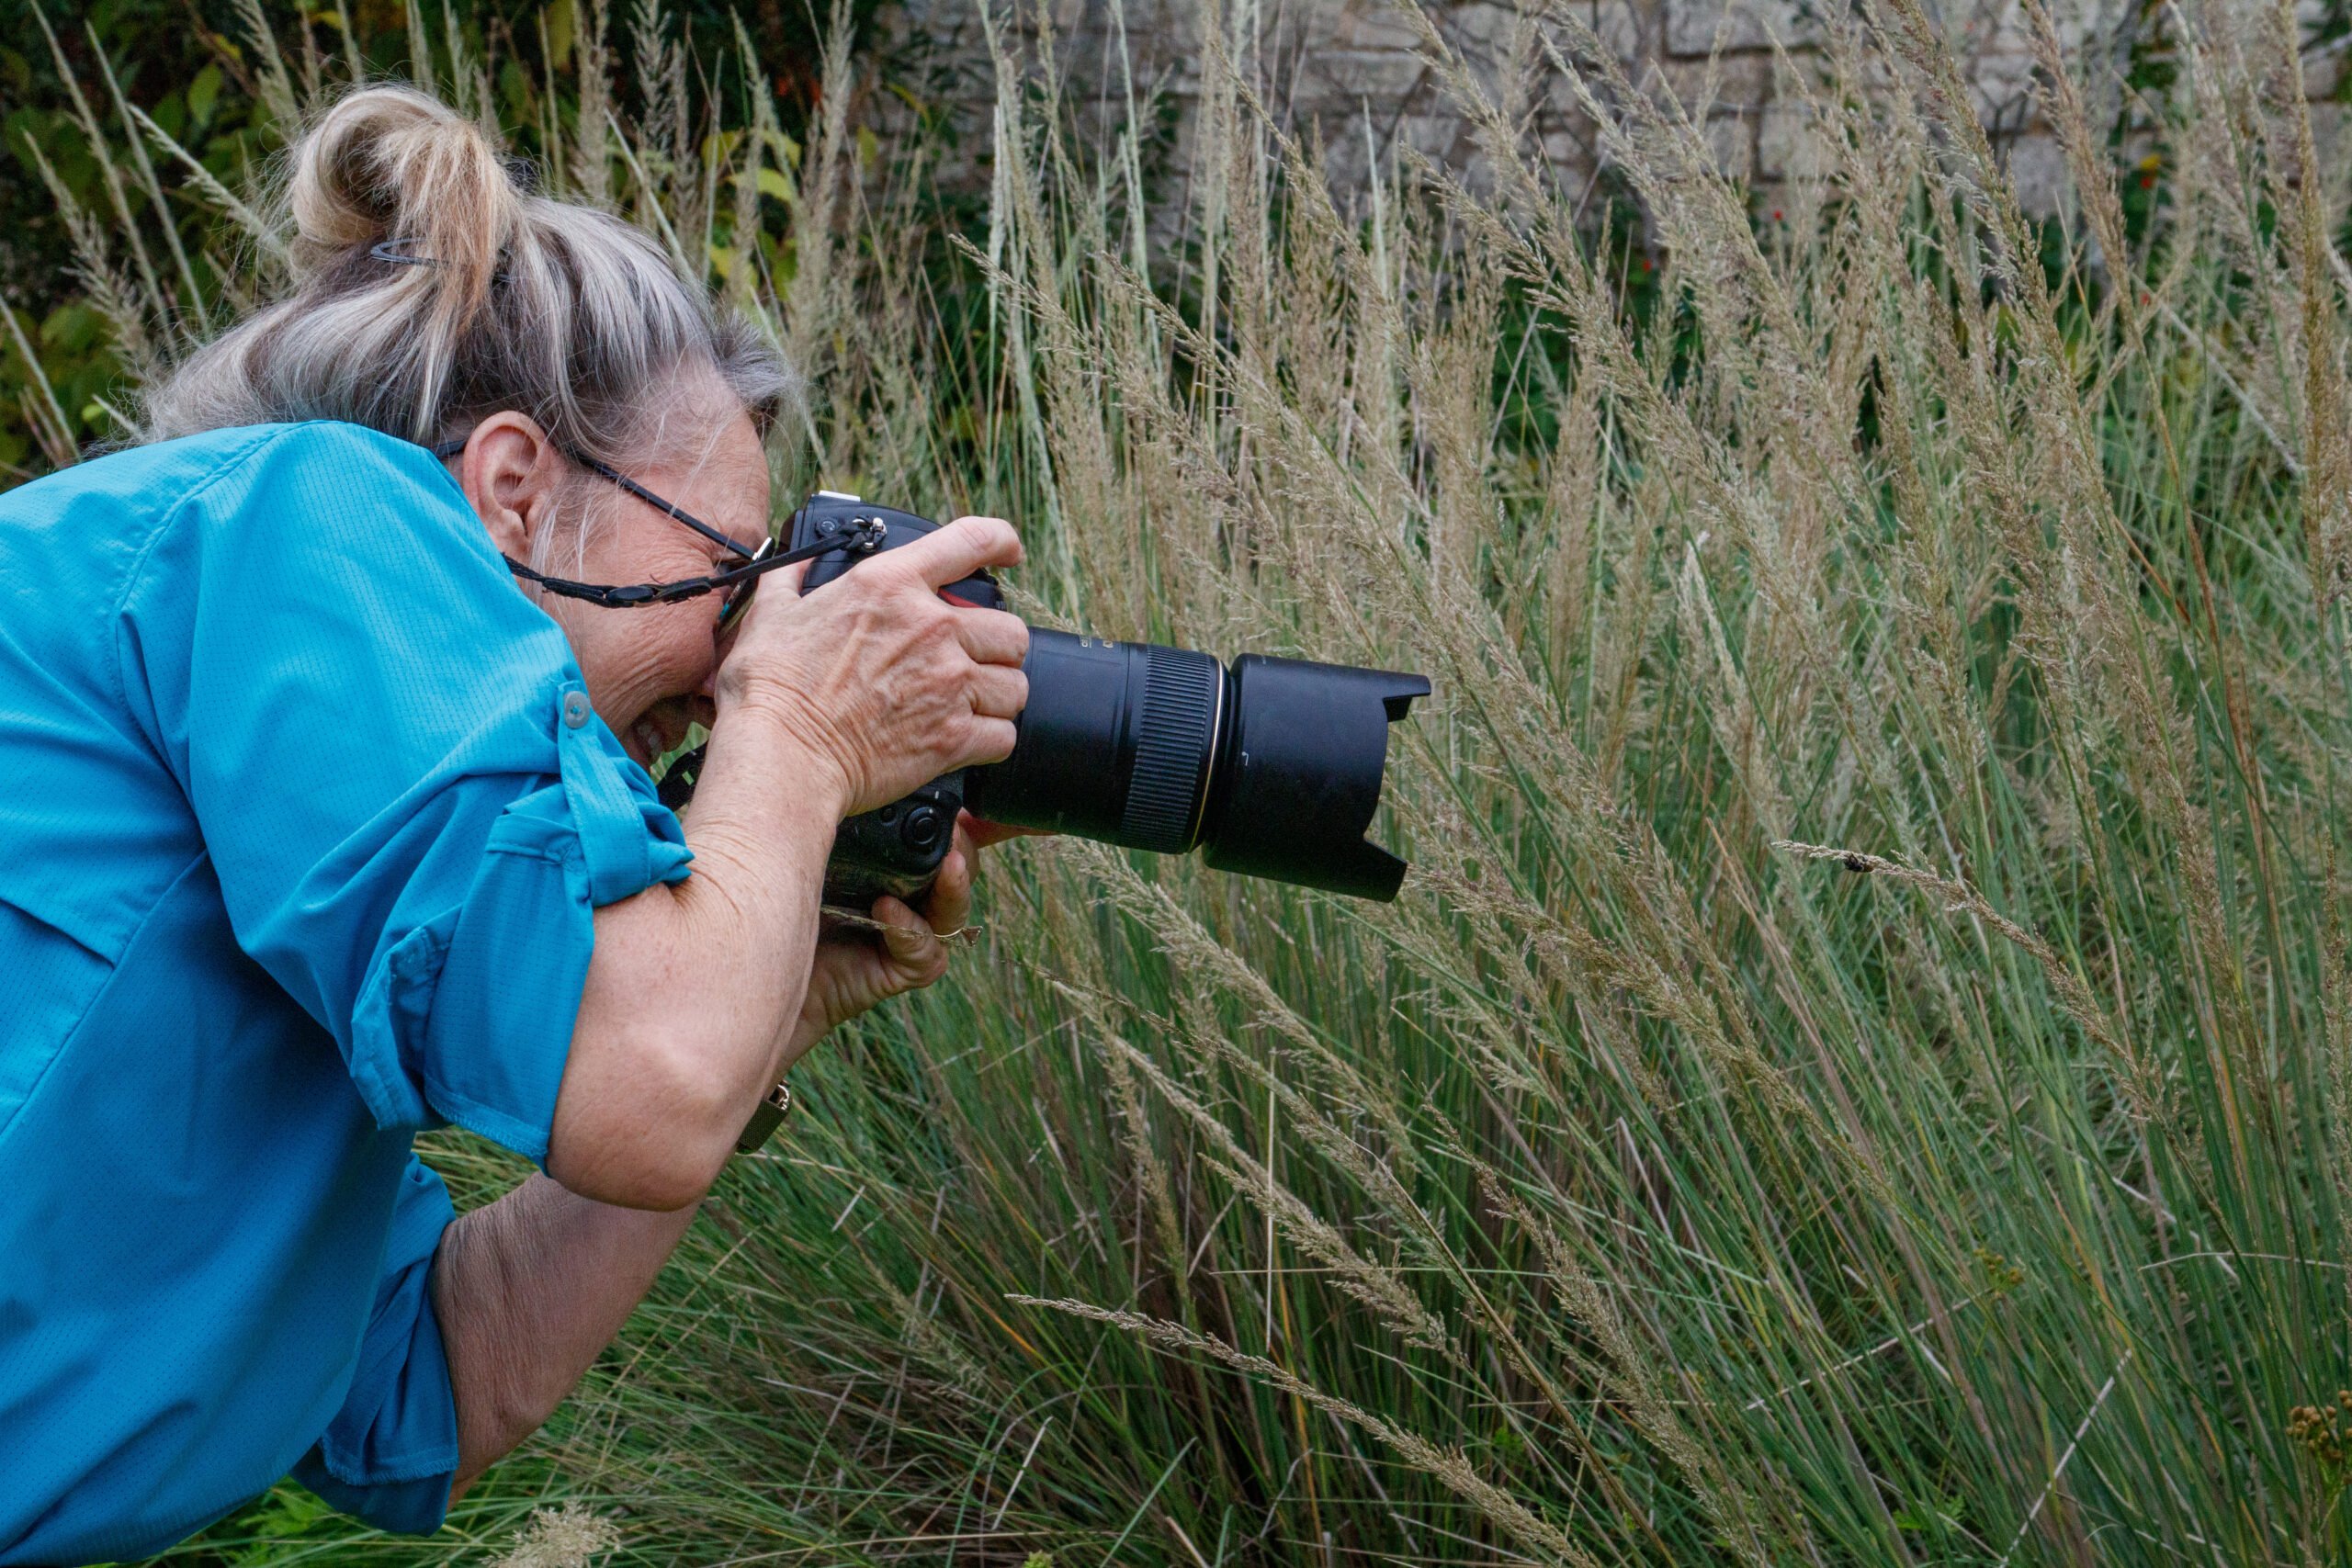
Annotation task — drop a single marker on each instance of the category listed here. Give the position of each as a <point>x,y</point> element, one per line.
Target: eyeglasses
<point>736,582</point>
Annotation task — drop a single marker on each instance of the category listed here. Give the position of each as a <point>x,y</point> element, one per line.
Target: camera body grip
<point>897,848</point>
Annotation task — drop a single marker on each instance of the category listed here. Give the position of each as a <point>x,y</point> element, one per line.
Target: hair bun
<point>434,287</point>
<point>390,163</point>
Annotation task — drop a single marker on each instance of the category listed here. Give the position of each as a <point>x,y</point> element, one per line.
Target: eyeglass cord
<point>864,536</point>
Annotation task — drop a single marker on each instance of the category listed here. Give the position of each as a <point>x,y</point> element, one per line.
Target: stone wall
<point>1353,70</point>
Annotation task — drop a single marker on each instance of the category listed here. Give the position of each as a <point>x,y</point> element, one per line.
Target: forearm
<point>527,1290</point>
<point>827,703</point>
<point>762,829</point>
<point>695,989</point>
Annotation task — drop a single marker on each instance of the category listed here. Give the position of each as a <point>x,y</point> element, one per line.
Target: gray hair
<point>506,300</point>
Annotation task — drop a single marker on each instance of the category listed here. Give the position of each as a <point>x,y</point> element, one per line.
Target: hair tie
<point>394,251</point>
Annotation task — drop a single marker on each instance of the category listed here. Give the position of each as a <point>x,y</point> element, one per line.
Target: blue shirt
<point>303,814</point>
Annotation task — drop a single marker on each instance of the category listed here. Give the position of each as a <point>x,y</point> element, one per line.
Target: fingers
<point>894,684</point>
<point>783,586</point>
<point>999,693</point>
<point>907,935</point>
<point>992,636</point>
<point>992,740</point>
<point>952,552</point>
<point>949,905</point>
<point>916,942</point>
<point>917,948</point>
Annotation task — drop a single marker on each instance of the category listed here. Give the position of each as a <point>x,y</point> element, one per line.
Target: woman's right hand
<point>882,677</point>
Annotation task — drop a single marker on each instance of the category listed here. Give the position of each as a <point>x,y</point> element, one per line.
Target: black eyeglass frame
<point>736,582</point>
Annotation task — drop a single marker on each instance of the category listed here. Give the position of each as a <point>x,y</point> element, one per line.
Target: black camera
<point>1272,767</point>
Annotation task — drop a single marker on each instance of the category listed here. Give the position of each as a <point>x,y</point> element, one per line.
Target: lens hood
<point>1301,773</point>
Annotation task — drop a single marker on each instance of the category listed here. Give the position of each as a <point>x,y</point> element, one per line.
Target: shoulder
<point>325,441</point>
<point>141,523</point>
<point>338,466</point>
<point>334,444</point>
<point>160,476</point>
<point>342,483</point>
<point>267,501</point>
<point>326,546</point>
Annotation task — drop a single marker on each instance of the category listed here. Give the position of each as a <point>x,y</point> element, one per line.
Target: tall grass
<point>1862,1069</point>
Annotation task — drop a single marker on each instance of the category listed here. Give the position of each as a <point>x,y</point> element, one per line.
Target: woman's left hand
<point>854,971</point>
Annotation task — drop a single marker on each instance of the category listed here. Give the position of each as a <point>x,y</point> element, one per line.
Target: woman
<point>319,832</point>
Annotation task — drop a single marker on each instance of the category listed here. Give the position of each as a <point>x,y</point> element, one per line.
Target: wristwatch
<point>765,1117</point>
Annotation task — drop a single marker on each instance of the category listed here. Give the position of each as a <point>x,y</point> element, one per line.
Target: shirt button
<point>576,709</point>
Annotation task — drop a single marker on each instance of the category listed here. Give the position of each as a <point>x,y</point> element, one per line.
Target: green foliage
<point>1862,1069</point>
<point>153,54</point>
<point>195,68</point>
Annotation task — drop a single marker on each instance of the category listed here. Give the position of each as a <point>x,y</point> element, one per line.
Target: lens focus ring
<point>1174,732</point>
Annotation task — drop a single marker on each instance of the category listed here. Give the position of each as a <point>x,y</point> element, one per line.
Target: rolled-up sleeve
<point>392,1451</point>
<point>469,1017</point>
<point>411,808</point>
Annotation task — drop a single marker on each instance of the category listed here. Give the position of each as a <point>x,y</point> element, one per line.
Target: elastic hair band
<point>393,251</point>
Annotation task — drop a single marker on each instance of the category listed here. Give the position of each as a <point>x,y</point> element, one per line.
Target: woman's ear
<point>511,472</point>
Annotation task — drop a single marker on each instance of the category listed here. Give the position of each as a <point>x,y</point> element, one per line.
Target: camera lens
<point>1116,743</point>
<point>1275,765</point>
